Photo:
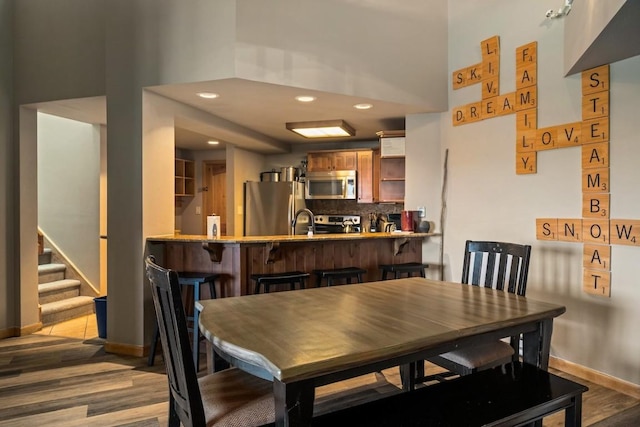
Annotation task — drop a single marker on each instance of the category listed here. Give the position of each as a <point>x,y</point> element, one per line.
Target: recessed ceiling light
<point>362,106</point>
<point>213,142</point>
<point>305,98</point>
<point>208,95</point>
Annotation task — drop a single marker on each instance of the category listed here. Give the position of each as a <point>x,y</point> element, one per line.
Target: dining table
<point>307,338</point>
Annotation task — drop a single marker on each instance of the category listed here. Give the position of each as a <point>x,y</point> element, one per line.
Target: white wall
<point>486,200</point>
<point>69,191</point>
<point>372,49</point>
<point>423,168</point>
<point>242,165</point>
<point>59,49</point>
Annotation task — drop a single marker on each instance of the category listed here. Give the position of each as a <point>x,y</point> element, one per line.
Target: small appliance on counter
<point>334,224</point>
<point>396,219</point>
<point>410,220</point>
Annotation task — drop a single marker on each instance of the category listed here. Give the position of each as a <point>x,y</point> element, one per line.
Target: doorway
<point>214,195</point>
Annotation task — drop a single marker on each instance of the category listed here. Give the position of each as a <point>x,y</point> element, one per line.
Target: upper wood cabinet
<point>364,162</point>
<point>319,161</point>
<point>365,177</point>
<point>392,179</point>
<point>392,167</point>
<point>185,178</point>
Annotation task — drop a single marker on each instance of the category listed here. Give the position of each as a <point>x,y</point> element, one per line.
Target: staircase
<point>59,297</point>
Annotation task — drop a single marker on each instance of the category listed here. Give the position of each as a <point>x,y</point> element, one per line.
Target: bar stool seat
<point>332,274</point>
<point>408,268</point>
<point>195,279</point>
<point>267,280</point>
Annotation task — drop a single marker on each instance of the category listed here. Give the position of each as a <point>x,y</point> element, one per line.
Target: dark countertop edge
<point>295,239</point>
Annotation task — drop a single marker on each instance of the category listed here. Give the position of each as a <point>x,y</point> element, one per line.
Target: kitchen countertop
<point>285,238</point>
<point>236,258</point>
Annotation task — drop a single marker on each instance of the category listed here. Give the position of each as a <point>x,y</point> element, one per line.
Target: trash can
<point>101,315</point>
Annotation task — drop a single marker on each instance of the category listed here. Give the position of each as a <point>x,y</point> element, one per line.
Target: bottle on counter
<point>310,231</point>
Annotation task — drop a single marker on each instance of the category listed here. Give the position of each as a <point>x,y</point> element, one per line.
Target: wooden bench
<point>521,394</point>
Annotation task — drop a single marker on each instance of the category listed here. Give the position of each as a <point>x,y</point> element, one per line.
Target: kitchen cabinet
<point>184,177</point>
<point>320,161</point>
<point>391,179</point>
<point>392,167</point>
<point>365,178</point>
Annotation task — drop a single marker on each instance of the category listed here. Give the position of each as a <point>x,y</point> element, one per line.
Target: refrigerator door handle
<point>290,213</point>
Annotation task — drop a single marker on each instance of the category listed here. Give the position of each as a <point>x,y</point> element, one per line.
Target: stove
<point>332,224</point>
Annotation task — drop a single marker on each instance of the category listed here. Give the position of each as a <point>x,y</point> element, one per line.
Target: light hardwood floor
<point>61,376</point>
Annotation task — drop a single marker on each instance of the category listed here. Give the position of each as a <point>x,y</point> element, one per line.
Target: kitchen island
<point>237,257</point>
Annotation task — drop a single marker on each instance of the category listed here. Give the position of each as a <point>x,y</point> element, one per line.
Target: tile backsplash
<point>351,207</point>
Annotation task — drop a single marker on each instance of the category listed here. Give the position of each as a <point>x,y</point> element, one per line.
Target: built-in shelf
<point>185,178</point>
<point>392,171</point>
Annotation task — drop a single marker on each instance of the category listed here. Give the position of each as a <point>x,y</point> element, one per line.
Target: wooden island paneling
<point>236,258</point>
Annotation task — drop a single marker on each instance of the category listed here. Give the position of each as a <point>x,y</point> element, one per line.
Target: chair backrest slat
<point>185,397</point>
<point>505,265</point>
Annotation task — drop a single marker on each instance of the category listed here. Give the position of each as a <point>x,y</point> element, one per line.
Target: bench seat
<point>511,396</point>
<point>522,394</point>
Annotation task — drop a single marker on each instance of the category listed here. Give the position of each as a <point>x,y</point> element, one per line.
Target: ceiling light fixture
<point>213,142</point>
<point>322,129</point>
<point>305,98</point>
<point>563,11</point>
<point>363,106</point>
<point>208,95</point>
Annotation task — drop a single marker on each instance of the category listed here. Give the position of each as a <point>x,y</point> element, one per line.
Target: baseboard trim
<point>9,333</point>
<point>596,377</point>
<point>30,329</point>
<point>18,332</point>
<point>125,349</point>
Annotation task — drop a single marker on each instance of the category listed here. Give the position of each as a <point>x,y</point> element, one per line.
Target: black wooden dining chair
<point>228,397</point>
<point>496,265</point>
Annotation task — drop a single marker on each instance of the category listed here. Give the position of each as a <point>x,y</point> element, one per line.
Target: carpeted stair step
<point>70,308</point>
<point>45,257</point>
<point>51,272</point>
<point>58,290</point>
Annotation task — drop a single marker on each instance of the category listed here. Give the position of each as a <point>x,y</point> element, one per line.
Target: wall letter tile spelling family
<point>596,230</point>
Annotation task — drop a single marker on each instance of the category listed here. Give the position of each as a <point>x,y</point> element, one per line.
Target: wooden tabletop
<point>303,334</point>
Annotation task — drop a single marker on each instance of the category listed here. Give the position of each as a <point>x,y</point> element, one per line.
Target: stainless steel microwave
<point>331,185</point>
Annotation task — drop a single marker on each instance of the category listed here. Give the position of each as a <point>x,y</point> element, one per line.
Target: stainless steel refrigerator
<point>269,208</point>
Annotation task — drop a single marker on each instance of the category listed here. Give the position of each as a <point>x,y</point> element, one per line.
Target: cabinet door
<point>319,162</point>
<point>345,160</point>
<point>365,176</point>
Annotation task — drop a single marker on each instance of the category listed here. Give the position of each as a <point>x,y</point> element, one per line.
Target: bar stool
<point>269,279</point>
<point>195,279</point>
<point>408,268</point>
<point>332,274</point>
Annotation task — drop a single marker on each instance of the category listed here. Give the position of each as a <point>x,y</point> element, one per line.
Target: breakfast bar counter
<point>236,258</point>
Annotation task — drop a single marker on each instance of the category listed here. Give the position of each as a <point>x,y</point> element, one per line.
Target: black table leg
<point>293,403</point>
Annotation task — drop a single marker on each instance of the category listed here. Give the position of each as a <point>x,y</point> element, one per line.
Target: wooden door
<point>215,193</point>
